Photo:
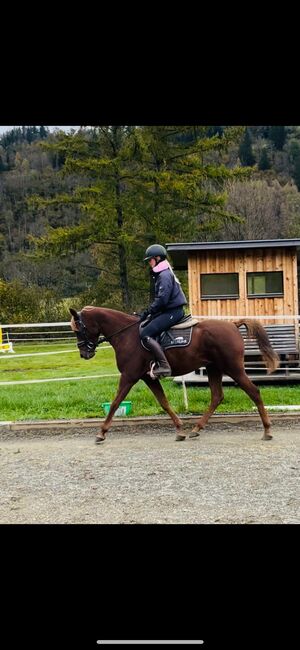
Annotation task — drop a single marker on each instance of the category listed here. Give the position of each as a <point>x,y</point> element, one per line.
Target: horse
<point>219,346</point>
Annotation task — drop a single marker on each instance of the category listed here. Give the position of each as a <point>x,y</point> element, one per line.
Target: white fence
<point>60,333</point>
<point>38,332</point>
<point>47,334</point>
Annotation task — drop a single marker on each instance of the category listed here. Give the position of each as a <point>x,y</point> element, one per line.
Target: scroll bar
<point>135,642</point>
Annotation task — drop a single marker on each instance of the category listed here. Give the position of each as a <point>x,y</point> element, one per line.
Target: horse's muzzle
<point>87,354</point>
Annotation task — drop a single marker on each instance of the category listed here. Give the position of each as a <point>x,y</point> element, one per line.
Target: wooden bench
<point>284,341</point>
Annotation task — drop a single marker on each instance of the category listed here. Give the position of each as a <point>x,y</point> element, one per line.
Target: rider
<point>166,309</point>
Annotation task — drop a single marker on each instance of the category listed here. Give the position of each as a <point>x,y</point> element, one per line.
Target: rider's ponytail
<point>175,276</point>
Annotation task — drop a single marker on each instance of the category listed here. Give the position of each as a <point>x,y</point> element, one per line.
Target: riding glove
<point>144,314</point>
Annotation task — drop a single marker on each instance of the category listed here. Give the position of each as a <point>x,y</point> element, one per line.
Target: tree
<point>264,162</point>
<point>245,151</point>
<point>291,211</point>
<point>2,165</point>
<point>19,302</point>
<point>269,210</point>
<point>278,136</point>
<point>296,174</point>
<point>139,184</point>
<point>295,156</point>
<point>186,182</point>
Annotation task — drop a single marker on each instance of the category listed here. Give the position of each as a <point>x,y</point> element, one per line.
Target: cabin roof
<point>180,251</point>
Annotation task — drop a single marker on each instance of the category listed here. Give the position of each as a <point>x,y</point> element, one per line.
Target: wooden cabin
<point>235,279</point>
<point>240,278</point>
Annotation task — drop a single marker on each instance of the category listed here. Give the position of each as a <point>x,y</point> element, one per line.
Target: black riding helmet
<point>154,251</point>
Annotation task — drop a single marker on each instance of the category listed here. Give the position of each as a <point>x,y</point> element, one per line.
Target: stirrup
<point>165,373</point>
<point>152,366</point>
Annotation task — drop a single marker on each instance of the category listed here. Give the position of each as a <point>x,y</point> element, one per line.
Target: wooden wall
<point>241,262</point>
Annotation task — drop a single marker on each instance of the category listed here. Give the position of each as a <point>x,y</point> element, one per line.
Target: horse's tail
<point>256,330</point>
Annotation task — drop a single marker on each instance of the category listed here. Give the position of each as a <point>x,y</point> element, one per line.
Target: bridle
<point>83,337</point>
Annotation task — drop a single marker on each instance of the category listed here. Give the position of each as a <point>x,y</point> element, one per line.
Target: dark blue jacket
<point>168,292</point>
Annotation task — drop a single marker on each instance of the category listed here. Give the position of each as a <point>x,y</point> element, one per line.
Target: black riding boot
<point>161,368</point>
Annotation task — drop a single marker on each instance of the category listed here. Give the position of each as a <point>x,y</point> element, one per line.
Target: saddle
<point>179,335</point>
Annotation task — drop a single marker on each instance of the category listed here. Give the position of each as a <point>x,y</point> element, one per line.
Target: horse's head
<point>87,332</point>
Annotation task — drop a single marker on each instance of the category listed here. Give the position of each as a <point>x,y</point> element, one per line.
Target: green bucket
<point>124,408</point>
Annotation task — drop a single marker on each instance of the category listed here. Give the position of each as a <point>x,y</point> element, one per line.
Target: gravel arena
<point>140,475</point>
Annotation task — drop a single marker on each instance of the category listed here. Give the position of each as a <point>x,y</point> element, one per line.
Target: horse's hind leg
<point>217,396</point>
<point>159,393</point>
<point>254,393</point>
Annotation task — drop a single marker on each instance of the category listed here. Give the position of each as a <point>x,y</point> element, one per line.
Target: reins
<point>107,338</point>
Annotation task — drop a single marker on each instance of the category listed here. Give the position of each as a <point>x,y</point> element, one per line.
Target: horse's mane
<point>108,310</point>
<point>104,309</point>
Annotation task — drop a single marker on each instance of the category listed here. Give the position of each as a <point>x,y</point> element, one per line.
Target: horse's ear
<point>74,314</point>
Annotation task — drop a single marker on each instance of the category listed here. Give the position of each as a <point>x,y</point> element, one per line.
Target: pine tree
<point>245,151</point>
<point>29,134</point>
<point>296,163</point>
<point>2,165</point>
<point>43,132</point>
<point>186,196</point>
<point>264,162</point>
<point>278,136</point>
<point>137,185</point>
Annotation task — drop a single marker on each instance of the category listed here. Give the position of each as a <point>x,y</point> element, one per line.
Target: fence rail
<point>284,336</point>
<point>61,323</point>
<point>36,332</point>
<point>293,317</point>
<point>47,333</point>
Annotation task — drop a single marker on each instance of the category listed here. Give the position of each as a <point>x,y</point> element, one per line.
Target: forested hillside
<point>77,211</point>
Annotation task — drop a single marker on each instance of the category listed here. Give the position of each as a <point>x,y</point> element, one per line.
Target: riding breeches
<point>162,322</point>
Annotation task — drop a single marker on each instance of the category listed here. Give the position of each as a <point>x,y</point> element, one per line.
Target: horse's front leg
<point>159,393</point>
<point>124,387</point>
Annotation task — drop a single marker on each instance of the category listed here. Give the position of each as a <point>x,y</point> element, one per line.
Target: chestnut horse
<point>218,346</point>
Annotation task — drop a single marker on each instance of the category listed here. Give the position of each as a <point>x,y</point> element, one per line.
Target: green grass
<point>83,398</point>
<point>68,364</point>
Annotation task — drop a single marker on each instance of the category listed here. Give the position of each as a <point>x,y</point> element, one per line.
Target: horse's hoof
<point>98,440</point>
<point>179,437</point>
<point>194,434</point>
<point>267,436</point>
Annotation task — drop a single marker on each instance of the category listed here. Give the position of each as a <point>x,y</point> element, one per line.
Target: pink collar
<point>162,266</point>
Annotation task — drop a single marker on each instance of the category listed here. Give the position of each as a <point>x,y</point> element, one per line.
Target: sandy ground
<point>141,475</point>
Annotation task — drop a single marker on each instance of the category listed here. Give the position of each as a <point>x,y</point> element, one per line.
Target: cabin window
<point>219,285</point>
<point>265,284</point>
